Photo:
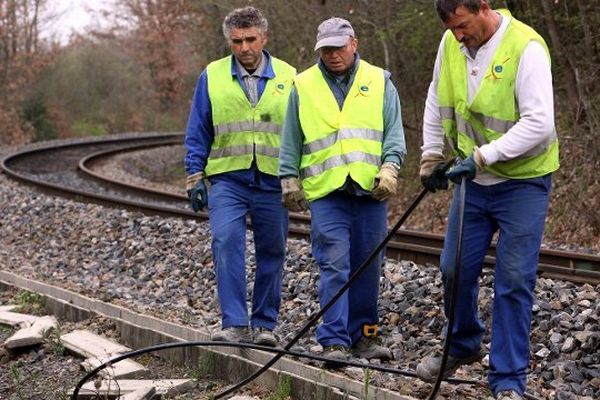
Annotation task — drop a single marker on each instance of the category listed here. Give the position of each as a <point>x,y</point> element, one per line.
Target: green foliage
<point>6,330</point>
<point>52,338</point>
<point>204,367</point>
<point>29,302</point>
<point>367,382</point>
<point>99,87</point>
<point>284,389</point>
<point>35,112</point>
<point>88,128</point>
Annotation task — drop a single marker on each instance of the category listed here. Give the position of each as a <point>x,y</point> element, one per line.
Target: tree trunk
<point>570,81</point>
<point>587,33</point>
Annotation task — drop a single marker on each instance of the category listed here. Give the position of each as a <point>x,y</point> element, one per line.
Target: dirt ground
<point>49,372</point>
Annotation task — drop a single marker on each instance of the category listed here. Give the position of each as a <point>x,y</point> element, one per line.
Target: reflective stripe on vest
<point>244,133</point>
<point>338,143</point>
<point>494,110</point>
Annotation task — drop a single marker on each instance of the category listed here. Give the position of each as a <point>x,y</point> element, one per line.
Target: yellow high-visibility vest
<point>338,143</point>
<point>494,110</point>
<point>243,132</point>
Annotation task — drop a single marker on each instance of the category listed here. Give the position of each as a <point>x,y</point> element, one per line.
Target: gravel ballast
<point>163,267</point>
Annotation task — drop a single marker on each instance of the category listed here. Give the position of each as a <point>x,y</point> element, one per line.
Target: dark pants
<point>229,202</point>
<point>345,230</point>
<point>516,209</point>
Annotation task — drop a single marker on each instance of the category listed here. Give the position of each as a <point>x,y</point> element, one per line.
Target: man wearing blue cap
<point>341,149</point>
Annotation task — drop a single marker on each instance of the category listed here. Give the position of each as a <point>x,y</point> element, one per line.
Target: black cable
<point>166,346</point>
<point>281,352</point>
<point>453,289</point>
<point>313,320</point>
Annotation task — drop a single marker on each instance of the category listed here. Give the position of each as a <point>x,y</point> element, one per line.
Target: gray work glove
<point>293,197</point>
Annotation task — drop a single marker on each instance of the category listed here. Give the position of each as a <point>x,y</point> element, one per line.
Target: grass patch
<point>85,127</point>
<point>29,303</point>
<point>284,389</point>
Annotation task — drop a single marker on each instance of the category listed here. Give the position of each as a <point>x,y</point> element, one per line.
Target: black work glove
<point>432,173</point>
<point>196,191</point>
<point>466,168</point>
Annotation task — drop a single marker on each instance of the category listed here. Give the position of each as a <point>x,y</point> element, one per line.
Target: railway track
<point>78,170</point>
<point>70,169</point>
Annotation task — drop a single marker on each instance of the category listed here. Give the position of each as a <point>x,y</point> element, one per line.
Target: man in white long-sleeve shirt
<point>491,100</point>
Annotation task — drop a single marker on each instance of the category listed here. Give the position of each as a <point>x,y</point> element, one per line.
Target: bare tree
<point>20,62</point>
<point>159,29</point>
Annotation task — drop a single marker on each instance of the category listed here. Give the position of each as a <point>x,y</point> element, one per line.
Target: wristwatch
<point>394,164</point>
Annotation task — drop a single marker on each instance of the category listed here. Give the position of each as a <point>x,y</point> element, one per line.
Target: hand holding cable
<point>432,172</point>
<point>467,167</point>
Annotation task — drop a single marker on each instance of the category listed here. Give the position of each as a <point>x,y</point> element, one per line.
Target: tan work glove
<point>386,181</point>
<point>479,160</point>
<point>429,163</point>
<point>293,197</point>
<point>191,180</point>
<point>433,172</point>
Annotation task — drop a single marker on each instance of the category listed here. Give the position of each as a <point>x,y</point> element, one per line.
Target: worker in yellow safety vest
<point>491,99</point>
<point>232,141</point>
<point>342,147</point>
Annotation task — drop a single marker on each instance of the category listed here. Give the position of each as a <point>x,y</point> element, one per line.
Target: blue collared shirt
<point>200,132</point>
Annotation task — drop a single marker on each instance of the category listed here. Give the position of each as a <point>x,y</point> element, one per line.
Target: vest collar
<point>347,76</point>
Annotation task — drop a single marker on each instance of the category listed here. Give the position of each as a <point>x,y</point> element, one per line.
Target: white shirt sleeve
<point>433,133</point>
<point>534,94</point>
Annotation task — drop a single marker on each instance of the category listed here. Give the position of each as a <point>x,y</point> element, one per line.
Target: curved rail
<point>420,247</point>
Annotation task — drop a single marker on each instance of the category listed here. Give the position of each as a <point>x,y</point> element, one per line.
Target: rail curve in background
<point>76,160</point>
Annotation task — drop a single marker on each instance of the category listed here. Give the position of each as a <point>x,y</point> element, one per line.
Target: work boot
<point>371,348</point>
<point>508,395</point>
<point>335,352</point>
<point>265,337</point>
<point>429,368</point>
<point>239,334</point>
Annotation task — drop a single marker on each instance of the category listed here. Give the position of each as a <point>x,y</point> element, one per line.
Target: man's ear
<point>485,7</point>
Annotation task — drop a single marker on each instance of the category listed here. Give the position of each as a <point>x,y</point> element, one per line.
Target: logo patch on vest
<point>280,88</point>
<point>496,70</point>
<point>363,89</point>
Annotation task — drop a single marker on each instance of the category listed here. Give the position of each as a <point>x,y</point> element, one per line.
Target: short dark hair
<point>242,18</point>
<point>446,7</point>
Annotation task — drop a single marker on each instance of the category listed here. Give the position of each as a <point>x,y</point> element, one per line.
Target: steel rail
<point>419,247</point>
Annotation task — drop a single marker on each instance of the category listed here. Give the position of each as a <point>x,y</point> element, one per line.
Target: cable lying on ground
<point>165,346</point>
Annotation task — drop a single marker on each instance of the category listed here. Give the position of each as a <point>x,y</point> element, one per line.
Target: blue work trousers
<point>516,209</point>
<point>229,202</point>
<point>345,230</point>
